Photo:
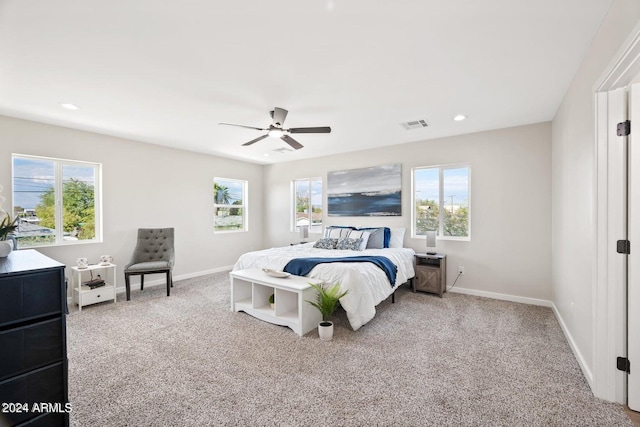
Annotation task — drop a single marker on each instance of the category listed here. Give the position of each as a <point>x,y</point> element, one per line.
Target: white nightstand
<point>84,295</point>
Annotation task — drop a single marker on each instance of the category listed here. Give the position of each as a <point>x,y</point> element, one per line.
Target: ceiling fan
<point>277,131</point>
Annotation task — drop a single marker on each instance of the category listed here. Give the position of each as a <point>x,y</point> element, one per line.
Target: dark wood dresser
<point>33,341</point>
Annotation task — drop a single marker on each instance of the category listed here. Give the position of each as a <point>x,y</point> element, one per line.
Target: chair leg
<point>128,286</point>
<point>171,277</point>
<point>142,282</point>
<point>168,282</point>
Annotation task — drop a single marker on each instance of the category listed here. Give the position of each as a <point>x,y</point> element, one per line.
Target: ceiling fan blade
<point>242,126</point>
<point>279,115</point>
<point>322,129</point>
<point>292,142</point>
<point>253,141</point>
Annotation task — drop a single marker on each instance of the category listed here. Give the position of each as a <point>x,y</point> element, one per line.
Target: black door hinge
<point>624,128</point>
<point>623,364</point>
<point>623,247</point>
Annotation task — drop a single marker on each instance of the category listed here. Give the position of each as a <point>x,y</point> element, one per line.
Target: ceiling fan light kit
<point>276,133</point>
<point>276,129</point>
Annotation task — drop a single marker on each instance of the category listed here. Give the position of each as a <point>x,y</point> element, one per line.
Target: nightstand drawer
<point>104,293</point>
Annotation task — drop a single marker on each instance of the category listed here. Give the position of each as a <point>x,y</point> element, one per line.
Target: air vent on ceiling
<point>282,150</point>
<point>416,124</point>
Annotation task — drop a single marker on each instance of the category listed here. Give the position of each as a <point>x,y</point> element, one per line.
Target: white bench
<point>251,289</point>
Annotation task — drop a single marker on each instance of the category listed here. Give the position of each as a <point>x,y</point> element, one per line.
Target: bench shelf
<point>251,289</point>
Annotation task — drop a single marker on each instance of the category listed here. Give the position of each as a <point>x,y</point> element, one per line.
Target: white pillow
<point>397,238</point>
<point>360,234</point>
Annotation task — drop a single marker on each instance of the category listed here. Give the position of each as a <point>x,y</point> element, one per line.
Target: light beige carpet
<point>187,360</point>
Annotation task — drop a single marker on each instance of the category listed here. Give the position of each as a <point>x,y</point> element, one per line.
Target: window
<point>441,201</point>
<point>307,204</point>
<point>229,205</point>
<point>56,201</point>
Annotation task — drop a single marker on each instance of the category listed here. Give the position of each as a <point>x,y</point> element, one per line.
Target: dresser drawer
<point>42,385</point>
<point>30,347</point>
<point>30,296</point>
<point>51,419</point>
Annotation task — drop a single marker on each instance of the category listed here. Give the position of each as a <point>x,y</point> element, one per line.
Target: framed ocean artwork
<point>373,191</point>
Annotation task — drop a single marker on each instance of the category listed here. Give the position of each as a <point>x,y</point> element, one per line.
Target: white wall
<point>144,185</point>
<point>510,250</point>
<point>151,186</point>
<point>573,172</point>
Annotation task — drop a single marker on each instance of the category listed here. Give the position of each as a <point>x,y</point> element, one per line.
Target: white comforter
<point>367,284</point>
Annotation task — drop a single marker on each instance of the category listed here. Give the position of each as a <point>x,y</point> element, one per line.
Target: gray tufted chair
<point>153,254</point>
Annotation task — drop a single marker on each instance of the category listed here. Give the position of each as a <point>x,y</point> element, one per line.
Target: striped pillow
<point>337,231</point>
<point>360,234</point>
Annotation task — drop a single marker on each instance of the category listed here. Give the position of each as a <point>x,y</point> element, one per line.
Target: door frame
<point>609,338</point>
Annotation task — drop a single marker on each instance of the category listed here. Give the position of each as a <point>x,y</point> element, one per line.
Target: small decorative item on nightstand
<point>431,273</point>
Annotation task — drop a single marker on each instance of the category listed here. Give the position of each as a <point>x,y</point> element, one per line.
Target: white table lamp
<point>431,242</point>
<point>304,232</point>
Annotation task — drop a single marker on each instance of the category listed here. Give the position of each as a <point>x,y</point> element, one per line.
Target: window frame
<point>440,232</point>
<point>244,206</point>
<point>59,165</point>
<point>294,205</point>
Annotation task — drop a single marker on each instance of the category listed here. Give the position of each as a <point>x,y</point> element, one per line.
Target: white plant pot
<point>325,330</point>
<point>6,246</point>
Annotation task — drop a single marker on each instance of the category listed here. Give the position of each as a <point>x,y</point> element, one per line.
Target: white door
<point>633,286</point>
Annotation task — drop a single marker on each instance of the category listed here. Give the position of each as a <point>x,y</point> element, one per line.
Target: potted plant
<point>272,300</point>
<point>327,300</point>
<point>7,226</point>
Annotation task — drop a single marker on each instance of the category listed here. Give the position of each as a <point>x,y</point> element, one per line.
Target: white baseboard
<point>162,280</point>
<point>136,286</point>
<point>574,348</point>
<point>504,297</point>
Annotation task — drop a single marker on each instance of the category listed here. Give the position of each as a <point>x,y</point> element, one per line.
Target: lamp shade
<point>304,231</point>
<point>431,239</point>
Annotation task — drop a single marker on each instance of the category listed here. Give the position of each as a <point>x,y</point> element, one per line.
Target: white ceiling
<point>167,72</point>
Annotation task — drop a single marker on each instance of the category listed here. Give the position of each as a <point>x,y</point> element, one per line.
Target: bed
<point>368,284</point>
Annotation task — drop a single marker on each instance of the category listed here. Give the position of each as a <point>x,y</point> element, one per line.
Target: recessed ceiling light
<point>69,106</point>
<point>459,117</point>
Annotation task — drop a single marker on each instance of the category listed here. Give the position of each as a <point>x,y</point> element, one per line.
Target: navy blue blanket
<point>303,266</point>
